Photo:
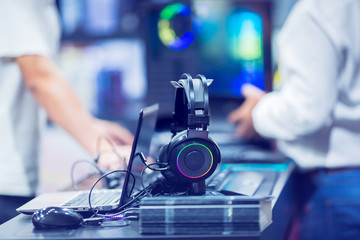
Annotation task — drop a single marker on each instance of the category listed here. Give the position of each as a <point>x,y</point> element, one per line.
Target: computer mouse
<point>56,217</point>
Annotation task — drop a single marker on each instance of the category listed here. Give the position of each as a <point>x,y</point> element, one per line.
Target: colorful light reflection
<point>245,31</point>
<point>245,35</point>
<point>167,34</point>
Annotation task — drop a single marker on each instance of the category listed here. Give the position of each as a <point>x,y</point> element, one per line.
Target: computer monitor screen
<point>230,44</point>
<point>103,56</point>
<point>107,75</point>
<point>84,19</point>
<point>228,41</point>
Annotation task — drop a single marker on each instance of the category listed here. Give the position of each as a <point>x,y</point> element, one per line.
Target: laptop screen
<point>141,144</point>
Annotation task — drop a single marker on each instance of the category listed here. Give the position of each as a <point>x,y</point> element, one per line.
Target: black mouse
<point>56,217</point>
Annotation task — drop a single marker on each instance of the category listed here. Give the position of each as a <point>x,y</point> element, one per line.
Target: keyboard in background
<point>237,153</point>
<point>247,183</point>
<point>235,149</point>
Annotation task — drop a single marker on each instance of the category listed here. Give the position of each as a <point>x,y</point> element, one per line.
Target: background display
<point>228,41</point>
<point>127,52</point>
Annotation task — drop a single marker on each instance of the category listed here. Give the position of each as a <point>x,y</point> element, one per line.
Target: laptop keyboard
<point>100,198</point>
<point>230,182</point>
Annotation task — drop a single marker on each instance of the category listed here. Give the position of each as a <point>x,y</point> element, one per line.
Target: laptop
<point>104,199</point>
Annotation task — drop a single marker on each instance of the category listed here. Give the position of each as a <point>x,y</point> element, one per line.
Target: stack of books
<point>212,215</point>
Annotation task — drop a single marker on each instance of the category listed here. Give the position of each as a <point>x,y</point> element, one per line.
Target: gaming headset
<point>191,156</point>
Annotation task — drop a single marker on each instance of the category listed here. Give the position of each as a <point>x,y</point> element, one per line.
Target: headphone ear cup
<point>193,159</point>
<point>162,154</point>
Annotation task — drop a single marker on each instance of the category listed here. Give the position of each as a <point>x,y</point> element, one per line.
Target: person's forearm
<point>56,96</point>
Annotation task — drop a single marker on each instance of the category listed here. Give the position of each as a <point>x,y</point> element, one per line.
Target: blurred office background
<point>120,55</point>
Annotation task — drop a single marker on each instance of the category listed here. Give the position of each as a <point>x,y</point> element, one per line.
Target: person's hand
<point>242,115</point>
<point>113,145</point>
<point>115,132</point>
<point>114,157</point>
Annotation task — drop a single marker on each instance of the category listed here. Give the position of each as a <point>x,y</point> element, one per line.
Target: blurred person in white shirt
<point>31,87</point>
<point>315,116</point>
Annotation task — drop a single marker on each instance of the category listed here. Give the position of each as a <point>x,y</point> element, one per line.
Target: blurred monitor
<point>228,41</point>
<point>90,19</point>
<point>225,40</point>
<point>108,75</point>
<point>231,44</point>
<point>103,55</point>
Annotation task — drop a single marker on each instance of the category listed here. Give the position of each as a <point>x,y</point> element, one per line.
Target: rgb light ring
<point>167,34</point>
<point>192,144</point>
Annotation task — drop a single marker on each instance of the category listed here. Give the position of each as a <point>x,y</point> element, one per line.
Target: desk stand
<point>197,188</point>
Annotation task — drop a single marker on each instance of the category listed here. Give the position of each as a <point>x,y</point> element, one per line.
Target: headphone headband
<point>191,103</point>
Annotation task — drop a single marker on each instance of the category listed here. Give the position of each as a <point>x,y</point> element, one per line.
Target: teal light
<point>257,167</point>
<point>245,31</point>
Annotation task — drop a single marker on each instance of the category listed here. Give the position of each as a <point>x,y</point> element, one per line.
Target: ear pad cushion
<point>162,154</point>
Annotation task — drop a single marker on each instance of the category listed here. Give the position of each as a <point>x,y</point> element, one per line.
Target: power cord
<point>97,218</point>
<point>112,182</point>
<point>100,219</point>
<point>92,163</point>
<point>154,169</point>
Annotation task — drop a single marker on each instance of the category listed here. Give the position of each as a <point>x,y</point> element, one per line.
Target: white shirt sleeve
<point>22,31</point>
<point>308,66</point>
